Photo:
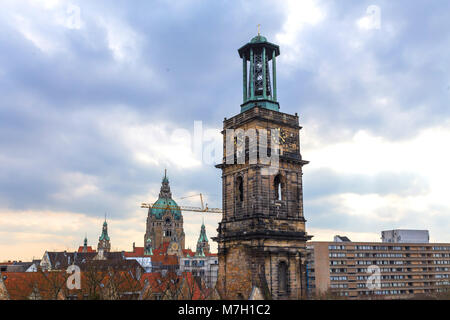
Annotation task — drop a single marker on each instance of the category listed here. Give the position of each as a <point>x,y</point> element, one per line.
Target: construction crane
<point>203,208</point>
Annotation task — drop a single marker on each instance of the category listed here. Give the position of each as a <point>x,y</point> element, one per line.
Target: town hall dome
<point>165,203</point>
<point>162,205</point>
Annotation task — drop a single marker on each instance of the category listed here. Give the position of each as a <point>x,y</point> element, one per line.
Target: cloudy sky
<point>97,98</point>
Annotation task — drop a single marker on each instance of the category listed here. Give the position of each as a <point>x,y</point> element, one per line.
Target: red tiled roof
<point>89,249</point>
<point>52,285</point>
<point>188,251</point>
<point>96,284</point>
<point>211,254</point>
<point>156,283</point>
<point>166,260</point>
<point>162,249</point>
<point>20,285</point>
<point>137,252</point>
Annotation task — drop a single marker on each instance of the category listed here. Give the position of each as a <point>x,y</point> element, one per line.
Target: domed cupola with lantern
<point>164,220</point>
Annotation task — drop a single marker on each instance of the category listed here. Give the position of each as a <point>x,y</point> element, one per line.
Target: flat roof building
<point>377,269</point>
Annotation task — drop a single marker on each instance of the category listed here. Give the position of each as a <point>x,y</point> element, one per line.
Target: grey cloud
<point>325,182</point>
<point>187,68</point>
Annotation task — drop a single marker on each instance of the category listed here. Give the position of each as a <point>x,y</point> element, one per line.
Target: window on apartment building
<point>336,247</point>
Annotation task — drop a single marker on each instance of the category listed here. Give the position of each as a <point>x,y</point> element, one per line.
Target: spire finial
<point>259,29</point>
<point>165,173</point>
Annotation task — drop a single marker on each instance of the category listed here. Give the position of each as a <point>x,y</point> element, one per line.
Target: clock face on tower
<point>174,246</point>
<point>282,135</point>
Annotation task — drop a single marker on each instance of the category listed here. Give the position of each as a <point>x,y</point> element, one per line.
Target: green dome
<point>159,208</point>
<point>258,39</point>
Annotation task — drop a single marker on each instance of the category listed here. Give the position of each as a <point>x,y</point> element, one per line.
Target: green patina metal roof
<point>163,204</point>
<point>203,237</point>
<point>258,39</point>
<point>201,253</point>
<point>104,235</point>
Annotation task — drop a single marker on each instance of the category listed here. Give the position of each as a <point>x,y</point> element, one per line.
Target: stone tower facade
<point>104,243</point>
<point>164,222</point>
<point>261,238</point>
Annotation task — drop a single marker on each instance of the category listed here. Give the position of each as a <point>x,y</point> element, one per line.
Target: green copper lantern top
<point>258,89</point>
<point>258,39</point>
<point>104,235</point>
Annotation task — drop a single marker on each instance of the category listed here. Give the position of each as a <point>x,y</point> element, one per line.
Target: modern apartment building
<point>377,269</point>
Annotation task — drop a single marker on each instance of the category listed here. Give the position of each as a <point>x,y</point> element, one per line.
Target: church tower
<point>202,242</point>
<point>85,246</point>
<point>164,222</point>
<point>261,238</point>
<point>103,241</point>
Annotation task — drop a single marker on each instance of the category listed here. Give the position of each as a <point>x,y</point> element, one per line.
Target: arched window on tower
<point>278,186</point>
<point>283,277</point>
<point>247,150</point>
<point>239,189</point>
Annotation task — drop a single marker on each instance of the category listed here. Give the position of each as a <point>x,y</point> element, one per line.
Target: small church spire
<point>202,243</point>
<point>85,244</point>
<point>165,188</point>
<point>103,240</point>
